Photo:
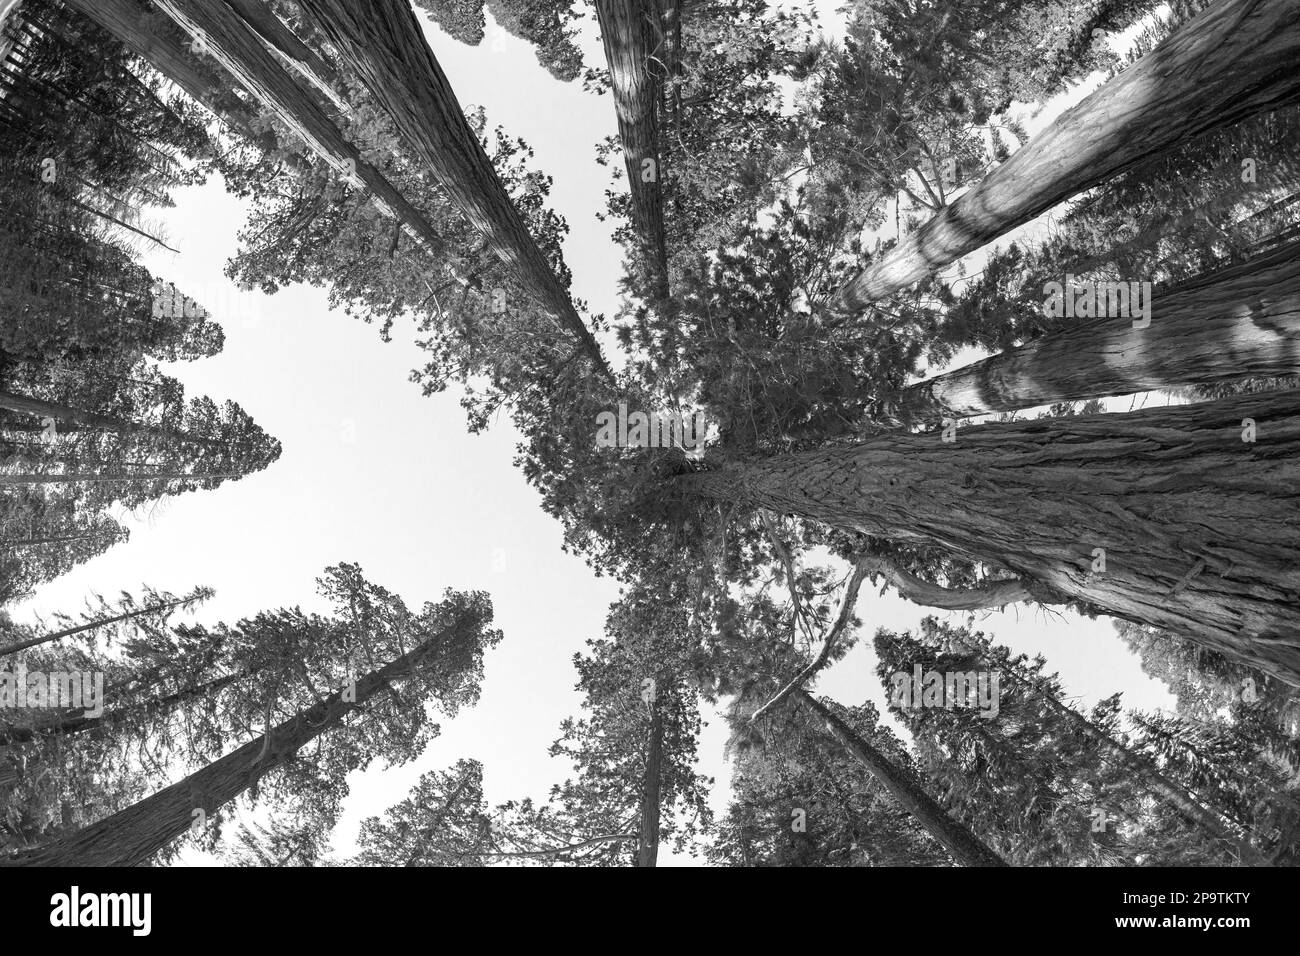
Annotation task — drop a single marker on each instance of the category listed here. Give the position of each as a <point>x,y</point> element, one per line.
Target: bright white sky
<point>373,472</point>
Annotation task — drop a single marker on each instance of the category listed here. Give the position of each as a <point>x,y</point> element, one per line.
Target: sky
<point>377,474</point>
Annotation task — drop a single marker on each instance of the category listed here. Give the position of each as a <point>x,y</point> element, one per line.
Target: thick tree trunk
<point>1236,323</point>
<point>1170,790</point>
<point>636,61</point>
<point>283,40</point>
<point>965,847</point>
<point>1232,61</point>
<point>648,839</point>
<point>1164,516</point>
<point>131,836</point>
<point>383,43</point>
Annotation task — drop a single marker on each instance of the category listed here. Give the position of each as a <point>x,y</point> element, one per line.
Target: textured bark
<point>965,847</point>
<point>1236,323</point>
<point>243,55</point>
<point>1201,530</point>
<point>635,60</point>
<point>1235,59</point>
<point>1170,790</point>
<point>132,836</point>
<point>283,40</point>
<point>648,837</point>
<point>382,42</point>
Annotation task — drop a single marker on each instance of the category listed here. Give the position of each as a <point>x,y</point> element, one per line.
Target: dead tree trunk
<point>1236,323</point>
<point>1186,518</point>
<point>1232,61</point>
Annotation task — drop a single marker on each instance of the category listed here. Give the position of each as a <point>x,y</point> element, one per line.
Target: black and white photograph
<point>519,434</point>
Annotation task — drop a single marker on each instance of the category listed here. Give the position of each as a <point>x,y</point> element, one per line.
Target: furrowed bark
<point>132,836</point>
<point>965,847</point>
<point>1232,61</point>
<point>1188,526</point>
<point>1236,323</point>
<point>636,63</point>
<point>383,43</point>
<point>283,40</point>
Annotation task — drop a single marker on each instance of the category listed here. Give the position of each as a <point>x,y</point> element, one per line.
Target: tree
<point>544,23</point>
<point>1157,498</point>
<point>1217,70</point>
<point>635,54</point>
<point>1236,323</point>
<point>800,799</point>
<point>443,663</point>
<point>386,49</point>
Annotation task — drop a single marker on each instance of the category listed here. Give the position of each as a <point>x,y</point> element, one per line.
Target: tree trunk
<point>132,836</point>
<point>1236,323</point>
<point>1164,516</point>
<point>283,40</point>
<point>627,30</point>
<point>383,43</point>
<point>965,847</point>
<point>150,37</point>
<point>648,841</point>
<point>1179,796</point>
<point>1232,61</point>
